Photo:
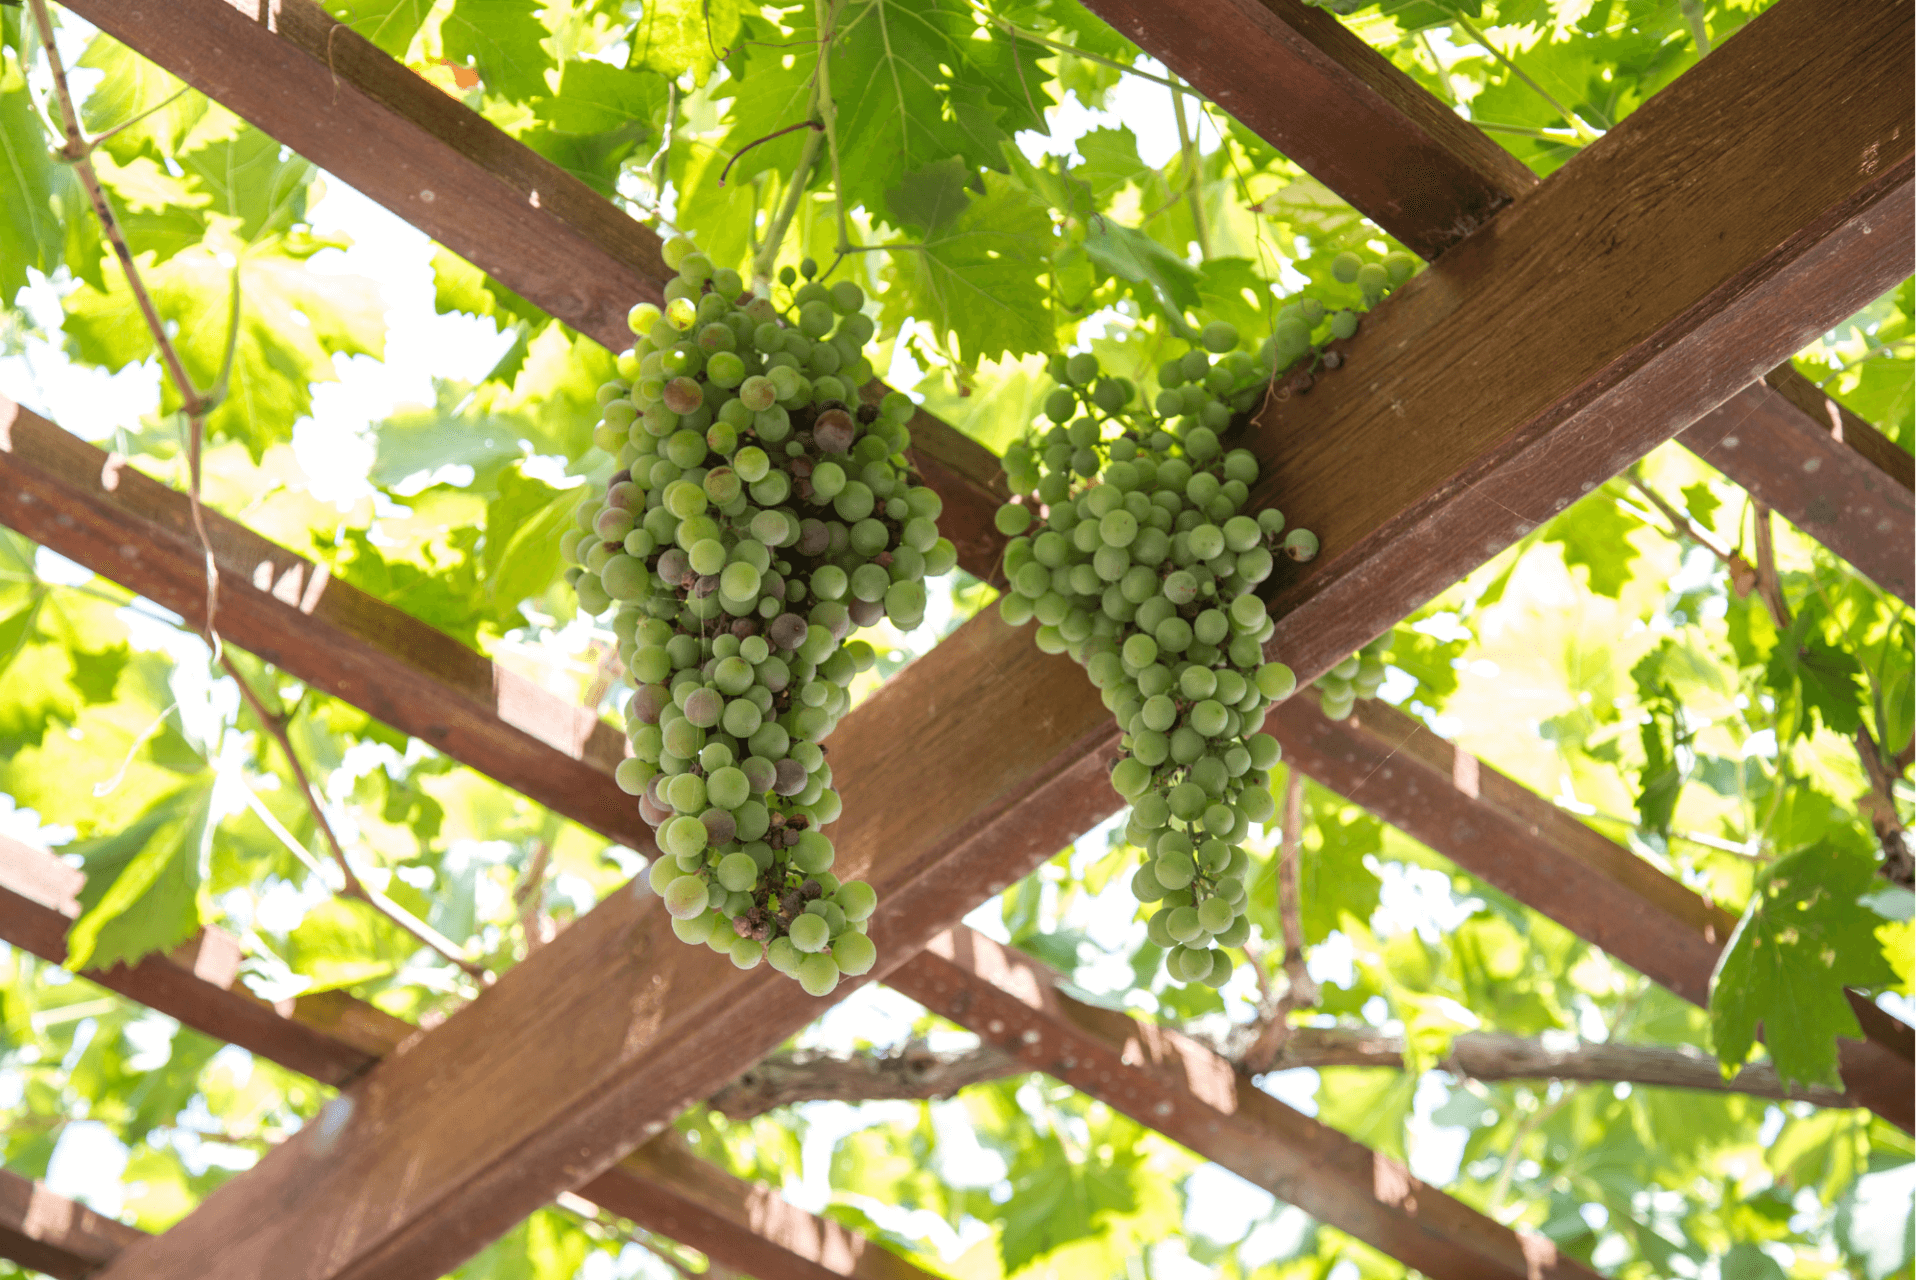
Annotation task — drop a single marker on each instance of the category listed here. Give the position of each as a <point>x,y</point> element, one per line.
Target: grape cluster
<point>759,514</point>
<point>1143,571</point>
<point>1356,677</point>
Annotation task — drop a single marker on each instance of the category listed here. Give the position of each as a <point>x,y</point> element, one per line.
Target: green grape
<point>1346,267</point>
<point>818,975</point>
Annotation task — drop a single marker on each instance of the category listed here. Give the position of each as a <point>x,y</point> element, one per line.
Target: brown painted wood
<point>1523,845</point>
<point>334,1038</point>
<point>314,84</point>
<point>1820,465</point>
<point>50,1233</point>
<point>1189,1093</point>
<point>666,1188</point>
<point>596,1041</point>
<point>1328,102</point>
<point>92,508</point>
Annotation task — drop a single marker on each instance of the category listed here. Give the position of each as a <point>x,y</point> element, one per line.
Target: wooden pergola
<point>1653,288</point>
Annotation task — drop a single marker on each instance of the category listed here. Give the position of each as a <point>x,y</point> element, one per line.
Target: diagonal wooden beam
<point>1325,100</point>
<point>334,1038</point>
<point>1524,845</point>
<point>45,1231</point>
<point>95,509</point>
<point>1822,466</point>
<point>1515,378</point>
<point>1178,1086</point>
<point>320,88</point>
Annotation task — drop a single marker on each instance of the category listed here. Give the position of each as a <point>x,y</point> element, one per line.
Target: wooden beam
<point>1328,102</point>
<point>95,509</point>
<point>1525,846</point>
<point>1820,465</point>
<point>1567,331</point>
<point>334,1038</point>
<point>48,1232</point>
<point>315,85</point>
<point>1189,1093</point>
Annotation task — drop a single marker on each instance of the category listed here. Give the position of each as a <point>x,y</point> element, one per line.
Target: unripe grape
<point>1344,324</point>
<point>818,975</point>
<point>746,952</point>
<point>809,933</point>
<point>1219,336</point>
<point>854,953</point>
<point>1012,519</point>
<point>1346,267</point>
<point>686,897</point>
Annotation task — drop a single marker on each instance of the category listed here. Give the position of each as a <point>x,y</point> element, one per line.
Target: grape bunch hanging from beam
<point>758,515</point>
<point>1143,569</point>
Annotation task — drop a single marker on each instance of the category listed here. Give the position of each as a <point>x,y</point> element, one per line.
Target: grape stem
<point>826,17</point>
<point>1190,160</point>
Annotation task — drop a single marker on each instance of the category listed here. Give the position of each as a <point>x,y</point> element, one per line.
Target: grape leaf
<point>1824,676</point>
<point>503,41</point>
<point>292,322</point>
<point>520,556</point>
<point>977,282</point>
<point>1594,532</point>
<point>389,24</point>
<point>246,178</point>
<point>143,882</point>
<point>418,439</point>
<point>343,942</point>
<point>597,98</point>
<point>928,199</point>
<point>1058,1200</point>
<point>458,285</point>
<point>1161,277</point>
<point>44,219</point>
<point>1803,939</point>
<point>678,36</point>
<point>140,95</point>
<point>1109,160</point>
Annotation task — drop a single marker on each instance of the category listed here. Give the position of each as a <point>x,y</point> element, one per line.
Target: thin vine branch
<point>1584,131</point>
<point>193,402</point>
<point>354,887</point>
<point>1298,991</point>
<point>827,17</point>
<point>1190,159</point>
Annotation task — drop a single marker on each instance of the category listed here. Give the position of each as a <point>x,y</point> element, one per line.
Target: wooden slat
<point>1328,102</point>
<point>593,1043</point>
<point>1192,1095</point>
<point>64,493</point>
<point>334,1038</point>
<point>315,85</point>
<point>1822,466</point>
<point>50,1233</point>
<point>1523,845</point>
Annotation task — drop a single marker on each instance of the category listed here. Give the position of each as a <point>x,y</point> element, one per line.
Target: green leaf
<point>520,556</point>
<point>44,218</point>
<point>503,41</point>
<point>1057,1200</point>
<point>418,440</point>
<point>247,178</point>
<point>1368,1105</point>
<point>458,285</point>
<point>1109,161</point>
<point>143,883</point>
<point>977,282</point>
<point>1702,503</point>
<point>1166,281</point>
<point>1594,532</point>
<point>389,24</point>
<point>95,674</point>
<point>344,942</point>
<point>675,36</point>
<point>928,199</point>
<point>1803,939</point>
<point>293,321</point>
<point>1825,677</point>
<point>132,89</point>
<point>597,98</point>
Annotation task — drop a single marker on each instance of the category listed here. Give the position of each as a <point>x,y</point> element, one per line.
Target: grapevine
<point>1143,570</point>
<point>760,512</point>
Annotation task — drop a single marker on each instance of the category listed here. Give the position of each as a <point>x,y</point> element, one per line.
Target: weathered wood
<point>320,88</point>
<point>1525,846</point>
<point>50,1233</point>
<point>334,1038</point>
<point>1328,102</point>
<point>1823,467</point>
<point>1172,1083</point>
